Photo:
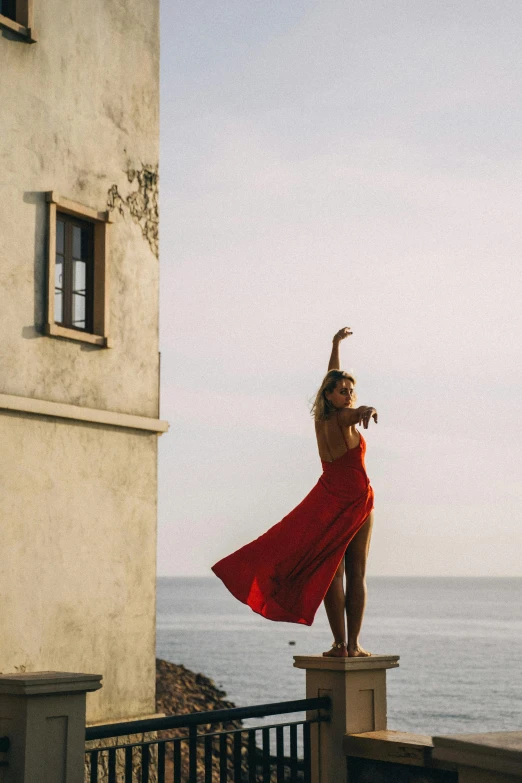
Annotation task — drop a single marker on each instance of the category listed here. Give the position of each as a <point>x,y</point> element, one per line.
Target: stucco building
<point>79,361</point>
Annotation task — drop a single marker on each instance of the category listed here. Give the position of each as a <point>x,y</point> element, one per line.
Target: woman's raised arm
<point>361,415</point>
<point>335,363</point>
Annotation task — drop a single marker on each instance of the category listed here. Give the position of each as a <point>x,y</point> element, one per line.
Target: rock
<point>181,691</point>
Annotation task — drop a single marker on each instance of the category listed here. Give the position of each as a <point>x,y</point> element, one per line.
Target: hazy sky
<point>338,163</point>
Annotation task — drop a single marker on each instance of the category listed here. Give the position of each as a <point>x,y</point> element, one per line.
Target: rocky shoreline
<point>179,691</point>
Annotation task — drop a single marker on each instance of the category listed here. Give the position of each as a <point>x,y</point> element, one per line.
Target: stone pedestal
<point>357,689</point>
<point>43,716</point>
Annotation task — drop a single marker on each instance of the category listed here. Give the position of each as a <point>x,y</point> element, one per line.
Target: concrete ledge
<point>77,413</point>
<point>325,663</point>
<point>54,330</point>
<point>396,747</point>
<point>40,683</point>
<point>500,752</point>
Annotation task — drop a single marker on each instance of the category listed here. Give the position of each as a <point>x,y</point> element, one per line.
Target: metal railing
<point>207,755</point>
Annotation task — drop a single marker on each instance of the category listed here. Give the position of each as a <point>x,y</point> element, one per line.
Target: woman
<point>299,562</point>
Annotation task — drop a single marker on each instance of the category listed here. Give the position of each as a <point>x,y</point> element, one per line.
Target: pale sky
<point>328,164</point>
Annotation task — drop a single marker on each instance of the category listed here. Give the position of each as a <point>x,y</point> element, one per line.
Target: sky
<point>329,164</point>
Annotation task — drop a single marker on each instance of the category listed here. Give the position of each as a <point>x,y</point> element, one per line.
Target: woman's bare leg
<point>334,603</point>
<point>355,559</point>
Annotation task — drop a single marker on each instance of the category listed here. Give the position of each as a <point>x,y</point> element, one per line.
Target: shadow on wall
<point>37,198</point>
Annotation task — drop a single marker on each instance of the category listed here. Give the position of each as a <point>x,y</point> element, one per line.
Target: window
<point>77,305</point>
<point>17,16</point>
<point>73,273</point>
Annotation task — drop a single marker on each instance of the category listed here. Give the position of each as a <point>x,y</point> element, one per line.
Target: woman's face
<point>343,395</point>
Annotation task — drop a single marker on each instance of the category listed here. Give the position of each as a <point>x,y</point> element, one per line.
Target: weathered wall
<point>79,115</point>
<point>77,576</point>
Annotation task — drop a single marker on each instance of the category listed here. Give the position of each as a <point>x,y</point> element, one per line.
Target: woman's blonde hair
<point>322,408</point>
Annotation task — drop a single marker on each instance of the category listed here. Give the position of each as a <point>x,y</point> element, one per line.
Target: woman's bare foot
<point>337,652</point>
<point>358,652</point>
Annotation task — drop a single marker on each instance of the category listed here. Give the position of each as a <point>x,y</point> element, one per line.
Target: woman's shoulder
<point>322,423</point>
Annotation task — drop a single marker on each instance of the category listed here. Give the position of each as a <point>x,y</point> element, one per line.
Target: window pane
<point>73,273</point>
<point>60,232</point>
<point>86,235</point>
<point>77,242</point>
<point>8,8</point>
<point>79,277</point>
<point>78,315</point>
<point>58,306</point>
<point>58,272</point>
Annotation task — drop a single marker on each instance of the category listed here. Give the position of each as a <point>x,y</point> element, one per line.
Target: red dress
<point>285,573</point>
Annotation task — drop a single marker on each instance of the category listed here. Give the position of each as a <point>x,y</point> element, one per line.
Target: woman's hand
<point>366,414</point>
<point>342,333</point>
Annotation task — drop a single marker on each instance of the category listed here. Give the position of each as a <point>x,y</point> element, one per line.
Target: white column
<point>43,715</point>
<point>357,689</point>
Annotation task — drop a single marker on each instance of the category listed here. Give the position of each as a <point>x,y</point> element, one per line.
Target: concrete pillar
<point>357,689</point>
<point>43,715</point>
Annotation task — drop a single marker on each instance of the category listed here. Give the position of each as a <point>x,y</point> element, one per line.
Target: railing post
<point>43,716</point>
<point>357,690</point>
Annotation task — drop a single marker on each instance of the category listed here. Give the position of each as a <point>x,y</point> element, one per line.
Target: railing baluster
<point>193,754</point>
<point>307,756</point>
<point>252,766</point>
<point>128,765</point>
<point>177,761</point>
<point>237,757</point>
<point>94,767</point>
<point>112,765</point>
<point>293,754</point>
<point>235,763</point>
<point>223,753</point>
<point>161,762</point>
<point>266,755</point>
<point>208,759</point>
<point>280,754</point>
<point>145,763</point>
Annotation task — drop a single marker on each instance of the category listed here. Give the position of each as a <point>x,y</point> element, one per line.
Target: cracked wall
<point>140,202</point>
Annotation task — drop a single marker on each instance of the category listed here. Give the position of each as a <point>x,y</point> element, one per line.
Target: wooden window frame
<point>100,302</point>
<point>23,24</point>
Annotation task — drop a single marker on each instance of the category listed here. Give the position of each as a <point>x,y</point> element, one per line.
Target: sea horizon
<point>456,636</point>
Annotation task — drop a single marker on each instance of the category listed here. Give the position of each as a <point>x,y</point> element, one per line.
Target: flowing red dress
<point>285,573</point>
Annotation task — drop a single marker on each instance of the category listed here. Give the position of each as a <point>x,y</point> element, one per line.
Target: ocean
<point>460,642</point>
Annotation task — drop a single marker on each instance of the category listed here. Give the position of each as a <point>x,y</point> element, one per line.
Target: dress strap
<point>342,431</point>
